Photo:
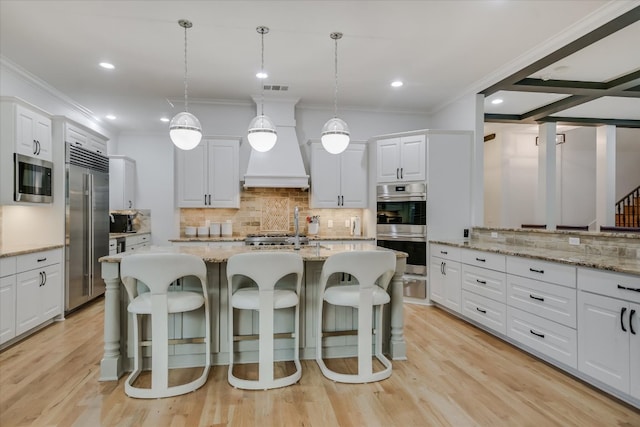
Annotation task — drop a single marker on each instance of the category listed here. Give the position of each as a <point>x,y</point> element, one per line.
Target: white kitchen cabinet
<point>339,180</point>
<point>208,176</point>
<point>39,289</point>
<point>445,276</point>
<point>609,329</point>
<point>80,136</point>
<point>7,299</point>
<point>401,158</point>
<point>122,183</point>
<point>25,130</point>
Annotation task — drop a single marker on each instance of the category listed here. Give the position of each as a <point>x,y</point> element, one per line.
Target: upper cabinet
<point>209,175</point>
<point>26,130</point>
<point>78,136</point>
<point>401,159</point>
<point>339,180</point>
<point>122,183</point>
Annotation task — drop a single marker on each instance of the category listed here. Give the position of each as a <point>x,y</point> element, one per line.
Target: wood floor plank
<point>455,375</point>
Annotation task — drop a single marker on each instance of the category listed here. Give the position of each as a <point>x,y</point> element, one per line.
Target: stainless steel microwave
<point>33,179</point>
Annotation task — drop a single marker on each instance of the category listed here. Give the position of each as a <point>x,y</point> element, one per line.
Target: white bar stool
<point>157,271</point>
<point>367,267</point>
<point>266,269</point>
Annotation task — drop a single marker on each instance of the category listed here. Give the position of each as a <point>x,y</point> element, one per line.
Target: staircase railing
<point>628,210</point>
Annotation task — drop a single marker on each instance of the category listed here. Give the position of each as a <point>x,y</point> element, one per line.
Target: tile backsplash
<point>270,210</point>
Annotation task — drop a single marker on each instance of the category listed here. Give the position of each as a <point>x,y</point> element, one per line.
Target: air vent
<point>277,88</point>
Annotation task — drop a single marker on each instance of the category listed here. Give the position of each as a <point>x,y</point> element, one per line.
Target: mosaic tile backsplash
<point>270,210</point>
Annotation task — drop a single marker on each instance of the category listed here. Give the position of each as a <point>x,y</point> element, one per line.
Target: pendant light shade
<point>185,130</point>
<point>335,133</point>
<point>262,134</point>
<point>335,136</point>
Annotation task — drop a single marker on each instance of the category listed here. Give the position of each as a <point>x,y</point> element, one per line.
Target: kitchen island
<point>117,329</point>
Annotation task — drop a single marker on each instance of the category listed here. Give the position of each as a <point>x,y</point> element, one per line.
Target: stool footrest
<point>147,343</point>
<point>255,336</point>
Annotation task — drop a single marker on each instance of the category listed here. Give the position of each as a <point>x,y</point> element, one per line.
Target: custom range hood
<point>282,166</point>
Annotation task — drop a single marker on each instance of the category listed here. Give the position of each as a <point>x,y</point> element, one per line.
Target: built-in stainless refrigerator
<point>87,224</point>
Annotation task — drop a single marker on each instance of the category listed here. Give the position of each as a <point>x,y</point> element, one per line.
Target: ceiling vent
<point>276,88</point>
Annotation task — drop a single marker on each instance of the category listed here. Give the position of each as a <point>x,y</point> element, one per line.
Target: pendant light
<point>335,133</point>
<point>262,133</point>
<point>185,130</point>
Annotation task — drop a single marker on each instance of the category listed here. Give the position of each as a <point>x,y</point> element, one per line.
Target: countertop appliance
<point>33,179</point>
<point>121,223</point>
<point>401,211</point>
<point>267,239</point>
<point>87,224</point>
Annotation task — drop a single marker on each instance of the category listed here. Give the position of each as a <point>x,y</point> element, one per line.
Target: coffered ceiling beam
<point>599,33</point>
<point>568,121</point>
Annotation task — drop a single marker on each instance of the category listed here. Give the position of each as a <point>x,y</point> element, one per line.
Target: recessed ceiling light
<point>164,119</point>
<point>107,65</point>
<point>497,101</point>
<point>396,83</point>
<point>262,75</point>
<point>110,117</point>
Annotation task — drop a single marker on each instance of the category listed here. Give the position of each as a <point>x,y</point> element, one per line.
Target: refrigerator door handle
<point>91,231</point>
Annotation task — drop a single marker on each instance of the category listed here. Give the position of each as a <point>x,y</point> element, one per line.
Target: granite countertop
<point>209,254</point>
<point>241,238</point>
<point>611,263</point>
<point>13,250</point>
<point>118,235</point>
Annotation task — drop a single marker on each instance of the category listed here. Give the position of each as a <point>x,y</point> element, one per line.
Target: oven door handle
<point>415,197</point>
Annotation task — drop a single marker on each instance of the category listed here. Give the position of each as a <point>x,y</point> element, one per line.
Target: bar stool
<point>367,267</point>
<point>266,269</point>
<point>157,271</point>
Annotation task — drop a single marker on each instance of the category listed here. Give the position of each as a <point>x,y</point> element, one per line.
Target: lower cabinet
<point>485,311</point>
<point>7,308</point>
<point>444,276</point>
<point>609,329</point>
<point>137,241</point>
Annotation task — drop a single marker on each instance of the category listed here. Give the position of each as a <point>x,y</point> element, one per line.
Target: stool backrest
<point>365,266</point>
<point>159,270</point>
<point>266,268</point>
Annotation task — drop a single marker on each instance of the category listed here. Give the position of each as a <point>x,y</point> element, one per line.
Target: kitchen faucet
<point>296,217</point>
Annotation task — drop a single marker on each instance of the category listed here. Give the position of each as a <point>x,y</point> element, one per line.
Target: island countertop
<point>222,254</point>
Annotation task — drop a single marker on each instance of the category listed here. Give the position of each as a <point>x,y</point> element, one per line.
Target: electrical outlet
<point>330,223</point>
<point>574,240</point>
<point>347,223</point>
<point>494,234</point>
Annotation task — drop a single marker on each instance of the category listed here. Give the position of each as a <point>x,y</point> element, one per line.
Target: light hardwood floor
<point>456,375</point>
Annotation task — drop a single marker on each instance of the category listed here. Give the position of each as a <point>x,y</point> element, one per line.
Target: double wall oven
<point>401,211</point>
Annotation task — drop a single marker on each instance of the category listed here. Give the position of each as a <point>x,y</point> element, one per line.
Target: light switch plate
<point>330,223</point>
<point>346,223</point>
<point>574,240</point>
<point>494,234</point>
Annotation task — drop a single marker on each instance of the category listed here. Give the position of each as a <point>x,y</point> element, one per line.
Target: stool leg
<point>365,366</point>
<point>159,346</point>
<point>266,338</point>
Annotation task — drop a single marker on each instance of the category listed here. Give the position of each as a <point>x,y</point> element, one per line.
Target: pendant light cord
<point>262,71</point>
<point>186,99</point>
<point>335,97</point>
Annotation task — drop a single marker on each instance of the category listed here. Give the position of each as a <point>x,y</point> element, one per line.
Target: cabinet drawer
<point>39,259</point>
<point>551,272</point>
<point>113,244</point>
<point>485,311</point>
<point>137,239</point>
<point>488,283</point>
<point>549,338</point>
<point>615,285</point>
<point>451,253</point>
<point>484,259</point>
<point>8,266</point>
<point>547,300</point>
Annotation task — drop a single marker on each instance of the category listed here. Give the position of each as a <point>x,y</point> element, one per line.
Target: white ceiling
<point>440,49</point>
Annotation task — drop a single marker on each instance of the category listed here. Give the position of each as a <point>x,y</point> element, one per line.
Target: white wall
<point>576,163</point>
<point>627,161</point>
<point>154,153</point>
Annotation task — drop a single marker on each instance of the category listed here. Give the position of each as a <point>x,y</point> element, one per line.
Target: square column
<point>605,176</point>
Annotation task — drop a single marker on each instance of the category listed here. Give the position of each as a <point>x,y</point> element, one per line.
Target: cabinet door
<point>51,293</point>
<point>129,185</point>
<point>412,158</point>
<point>388,160</point>
<point>453,292</point>
<point>25,136</point>
<point>42,132</point>
<point>353,177</point>
<point>603,346</point>
<point>634,350</point>
<point>97,145</point>
<point>223,174</point>
<point>325,178</point>
<point>191,176</point>
<point>7,308</point>
<point>27,300</point>
<point>437,280</point>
